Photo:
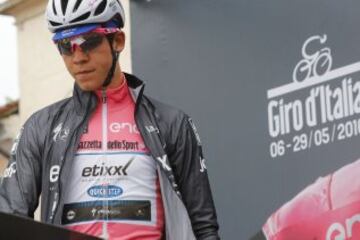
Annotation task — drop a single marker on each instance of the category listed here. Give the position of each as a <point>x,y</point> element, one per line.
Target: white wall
<point>43,77</point>
<point>11,125</point>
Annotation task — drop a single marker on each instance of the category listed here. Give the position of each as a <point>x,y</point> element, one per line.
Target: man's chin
<point>88,87</point>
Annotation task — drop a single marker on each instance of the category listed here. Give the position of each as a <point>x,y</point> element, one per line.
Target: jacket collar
<point>85,101</point>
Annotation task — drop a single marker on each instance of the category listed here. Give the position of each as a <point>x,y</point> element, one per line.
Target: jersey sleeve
<point>20,186</point>
<point>192,178</point>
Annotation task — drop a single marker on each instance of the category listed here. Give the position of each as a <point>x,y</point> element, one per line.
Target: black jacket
<point>41,159</point>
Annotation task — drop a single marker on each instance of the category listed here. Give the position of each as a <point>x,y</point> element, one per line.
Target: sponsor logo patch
<point>164,163</point>
<point>61,133</point>
<point>16,142</point>
<point>117,127</point>
<point>70,215</point>
<point>54,173</point>
<point>195,131</point>
<point>10,171</point>
<point>103,171</point>
<point>343,231</point>
<point>152,129</point>
<point>105,191</point>
<point>202,164</point>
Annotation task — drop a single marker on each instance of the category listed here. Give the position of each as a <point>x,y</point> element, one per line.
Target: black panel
<point>14,227</point>
<point>78,2</point>
<point>54,23</point>
<point>100,9</point>
<point>81,18</point>
<point>64,4</point>
<point>54,8</point>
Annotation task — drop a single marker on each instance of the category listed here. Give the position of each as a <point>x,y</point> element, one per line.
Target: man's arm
<point>20,186</point>
<point>191,175</point>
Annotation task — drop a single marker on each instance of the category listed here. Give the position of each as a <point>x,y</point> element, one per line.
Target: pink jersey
<point>329,209</point>
<point>114,186</point>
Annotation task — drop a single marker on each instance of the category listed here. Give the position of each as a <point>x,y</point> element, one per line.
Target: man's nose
<point>79,56</point>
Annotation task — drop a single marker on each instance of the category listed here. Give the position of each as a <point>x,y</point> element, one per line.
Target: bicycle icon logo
<point>313,65</point>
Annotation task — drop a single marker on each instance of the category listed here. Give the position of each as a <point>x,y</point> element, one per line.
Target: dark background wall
<point>217,60</point>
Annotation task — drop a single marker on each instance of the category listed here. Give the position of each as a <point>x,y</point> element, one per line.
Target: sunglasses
<point>86,42</point>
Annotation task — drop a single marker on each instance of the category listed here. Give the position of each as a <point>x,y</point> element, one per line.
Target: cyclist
<point>327,209</point>
<point>109,161</point>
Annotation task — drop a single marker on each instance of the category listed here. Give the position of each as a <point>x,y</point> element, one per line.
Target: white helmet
<point>62,14</point>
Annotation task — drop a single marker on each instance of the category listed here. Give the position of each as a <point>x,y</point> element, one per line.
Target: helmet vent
<point>81,18</point>
<point>64,4</point>
<point>101,8</point>
<point>78,2</point>
<point>54,8</point>
<point>55,24</point>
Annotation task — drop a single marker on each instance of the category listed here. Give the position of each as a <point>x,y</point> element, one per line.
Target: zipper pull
<point>104,98</point>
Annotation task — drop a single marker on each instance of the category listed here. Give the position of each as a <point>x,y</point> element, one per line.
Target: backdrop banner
<point>273,86</point>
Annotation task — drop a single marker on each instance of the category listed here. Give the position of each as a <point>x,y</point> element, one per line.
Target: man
<point>109,161</point>
<point>327,209</point>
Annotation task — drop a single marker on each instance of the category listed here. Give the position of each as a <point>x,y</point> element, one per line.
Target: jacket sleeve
<point>191,175</point>
<point>21,183</point>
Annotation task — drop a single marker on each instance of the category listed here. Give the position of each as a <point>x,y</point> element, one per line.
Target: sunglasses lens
<point>92,41</point>
<point>65,47</point>
<point>87,42</point>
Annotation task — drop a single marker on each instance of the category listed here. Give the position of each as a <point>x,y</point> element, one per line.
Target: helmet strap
<point>115,58</point>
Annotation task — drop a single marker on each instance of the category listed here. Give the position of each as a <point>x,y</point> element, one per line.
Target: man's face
<point>89,69</point>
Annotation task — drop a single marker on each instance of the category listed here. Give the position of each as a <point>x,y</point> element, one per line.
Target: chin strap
<point>115,58</point>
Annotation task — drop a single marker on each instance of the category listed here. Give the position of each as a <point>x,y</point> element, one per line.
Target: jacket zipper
<point>82,126</point>
<point>105,234</point>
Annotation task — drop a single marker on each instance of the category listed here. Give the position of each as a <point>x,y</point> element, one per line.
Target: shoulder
<point>41,121</point>
<point>173,123</point>
<point>37,126</point>
<point>303,208</point>
<point>345,185</point>
<point>339,190</point>
<point>166,114</point>
<point>48,112</point>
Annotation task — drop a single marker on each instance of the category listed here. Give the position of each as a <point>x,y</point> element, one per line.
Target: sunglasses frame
<point>80,40</point>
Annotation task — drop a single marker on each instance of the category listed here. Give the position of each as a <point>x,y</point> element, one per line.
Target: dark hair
<point>110,37</point>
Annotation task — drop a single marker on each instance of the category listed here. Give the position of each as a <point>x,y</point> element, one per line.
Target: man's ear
<point>119,41</point>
